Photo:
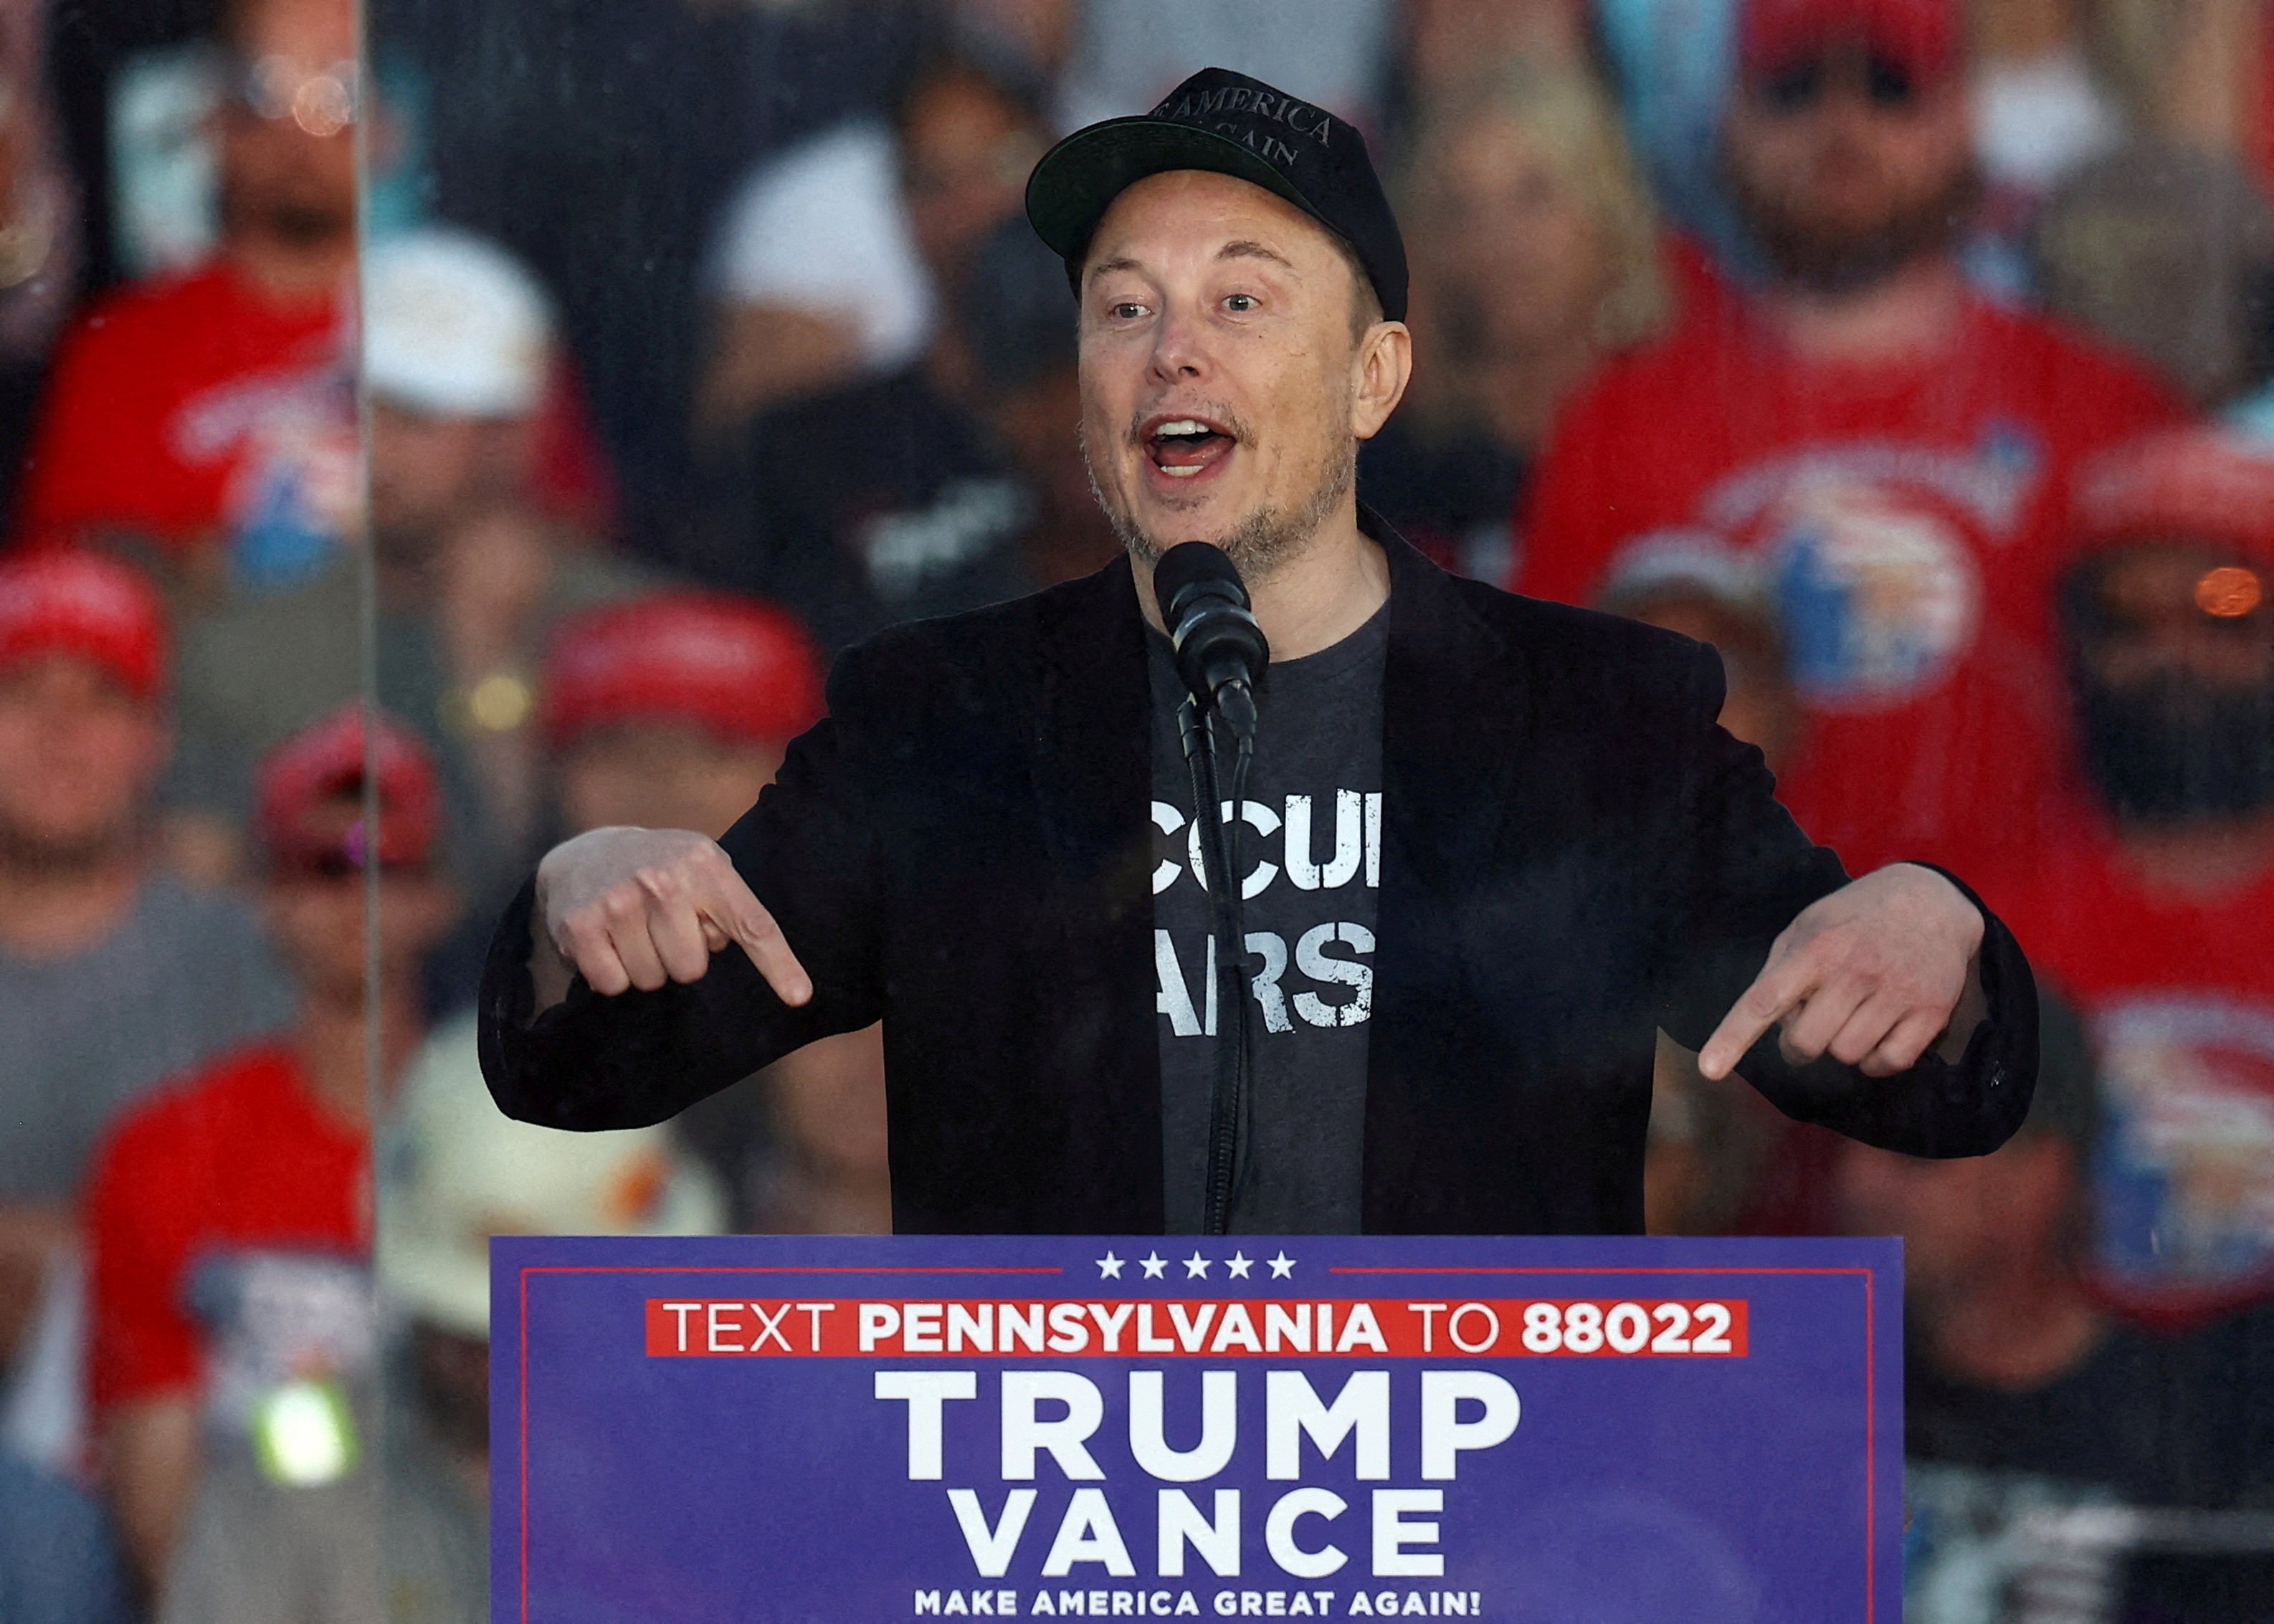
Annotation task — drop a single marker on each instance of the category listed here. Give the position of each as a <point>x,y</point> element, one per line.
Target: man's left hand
<point>1870,974</point>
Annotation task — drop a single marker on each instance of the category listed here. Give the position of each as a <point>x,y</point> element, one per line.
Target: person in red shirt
<point>229,1213</point>
<point>1887,450</point>
<point>113,976</point>
<point>2154,906</point>
<point>219,403</point>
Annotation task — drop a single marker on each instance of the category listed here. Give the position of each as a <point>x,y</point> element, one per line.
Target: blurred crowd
<point>576,379</point>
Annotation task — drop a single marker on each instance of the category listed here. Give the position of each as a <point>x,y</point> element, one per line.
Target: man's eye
<point>1239,304</point>
<point>1124,311</point>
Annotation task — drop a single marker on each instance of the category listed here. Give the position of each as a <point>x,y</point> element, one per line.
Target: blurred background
<point>495,415</point>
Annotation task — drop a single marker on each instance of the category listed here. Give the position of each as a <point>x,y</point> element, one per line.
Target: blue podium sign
<point>779,1429</point>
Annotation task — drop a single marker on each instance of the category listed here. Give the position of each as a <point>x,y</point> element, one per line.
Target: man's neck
<point>1317,596</point>
<point>2025,1327</point>
<point>54,912</point>
<point>1914,310</point>
<point>2203,861</point>
<point>291,275</point>
<point>331,1040</point>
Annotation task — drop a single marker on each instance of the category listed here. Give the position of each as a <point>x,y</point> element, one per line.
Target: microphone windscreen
<point>1194,564</point>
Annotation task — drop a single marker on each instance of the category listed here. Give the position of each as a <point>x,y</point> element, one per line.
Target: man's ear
<point>1380,371</point>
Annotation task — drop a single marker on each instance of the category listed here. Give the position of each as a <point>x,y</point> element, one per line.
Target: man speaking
<point>1487,846</point>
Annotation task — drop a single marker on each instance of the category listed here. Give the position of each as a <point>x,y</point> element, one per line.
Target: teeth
<point>1181,473</point>
<point>1182,426</point>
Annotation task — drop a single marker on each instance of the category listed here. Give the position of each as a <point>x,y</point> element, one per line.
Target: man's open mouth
<point>1183,448</point>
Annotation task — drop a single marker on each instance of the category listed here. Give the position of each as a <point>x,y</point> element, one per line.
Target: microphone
<point>1220,650</point>
<point>1221,654</point>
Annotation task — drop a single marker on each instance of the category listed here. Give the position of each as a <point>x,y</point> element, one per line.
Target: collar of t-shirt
<point>1285,679</point>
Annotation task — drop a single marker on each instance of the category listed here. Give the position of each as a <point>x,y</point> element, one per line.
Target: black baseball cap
<point>1234,126</point>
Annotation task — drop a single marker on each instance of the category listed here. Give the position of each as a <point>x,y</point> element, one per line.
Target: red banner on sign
<point>1370,1327</point>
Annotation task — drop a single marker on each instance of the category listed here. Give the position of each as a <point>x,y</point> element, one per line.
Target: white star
<point>1238,1265</point>
<point>1153,1265</point>
<point>1283,1266</point>
<point>1109,1267</point>
<point>1196,1267</point>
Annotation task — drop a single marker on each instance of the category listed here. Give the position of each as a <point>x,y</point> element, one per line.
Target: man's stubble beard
<point>83,855</point>
<point>1260,542</point>
<point>1836,262</point>
<point>298,219</point>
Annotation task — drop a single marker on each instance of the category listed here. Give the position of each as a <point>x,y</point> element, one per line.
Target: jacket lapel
<point>1454,719</point>
<point>1093,787</point>
<point>1450,711</point>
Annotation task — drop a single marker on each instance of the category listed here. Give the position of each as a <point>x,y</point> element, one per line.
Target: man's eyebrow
<point>1104,267</point>
<point>1245,248</point>
<point>1239,248</point>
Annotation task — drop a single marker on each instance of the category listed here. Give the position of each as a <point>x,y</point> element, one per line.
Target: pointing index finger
<point>742,917</point>
<point>1781,985</point>
<point>783,972</point>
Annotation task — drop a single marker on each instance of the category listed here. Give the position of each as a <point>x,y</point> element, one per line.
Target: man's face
<point>2174,608</point>
<point>1849,164</point>
<point>1966,1221</point>
<point>287,155</point>
<point>967,151</point>
<point>2174,673</point>
<point>79,756</point>
<point>430,470</point>
<point>1521,249</point>
<point>1223,392</point>
<point>315,914</point>
<point>661,775</point>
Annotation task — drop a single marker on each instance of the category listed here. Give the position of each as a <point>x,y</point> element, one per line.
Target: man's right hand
<point>639,908</point>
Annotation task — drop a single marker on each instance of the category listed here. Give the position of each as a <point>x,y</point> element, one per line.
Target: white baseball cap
<point>453,324</point>
<point>454,1170</point>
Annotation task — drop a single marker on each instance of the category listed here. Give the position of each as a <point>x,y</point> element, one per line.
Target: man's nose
<point>1180,346</point>
<point>1849,121</point>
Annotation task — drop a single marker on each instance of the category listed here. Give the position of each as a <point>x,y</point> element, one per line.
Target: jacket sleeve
<point>1745,870</point>
<point>590,1062</point>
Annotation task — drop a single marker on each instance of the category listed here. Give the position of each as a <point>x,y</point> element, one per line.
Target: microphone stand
<point>1221,653</point>
<point>1229,1106</point>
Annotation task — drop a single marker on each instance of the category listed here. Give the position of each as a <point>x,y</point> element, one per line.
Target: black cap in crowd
<point>1234,126</point>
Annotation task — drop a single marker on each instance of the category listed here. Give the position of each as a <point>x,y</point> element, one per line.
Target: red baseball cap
<point>321,764</point>
<point>745,668</point>
<point>1926,36</point>
<point>2190,483</point>
<point>84,604</point>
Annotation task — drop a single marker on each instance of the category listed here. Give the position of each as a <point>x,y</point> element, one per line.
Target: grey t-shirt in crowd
<point>400,1539</point>
<point>182,977</point>
<point>1311,851</point>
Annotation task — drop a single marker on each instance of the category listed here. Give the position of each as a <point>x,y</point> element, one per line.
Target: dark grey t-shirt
<point>1312,853</point>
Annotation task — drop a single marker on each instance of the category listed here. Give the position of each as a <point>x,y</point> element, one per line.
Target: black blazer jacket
<point>1574,855</point>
